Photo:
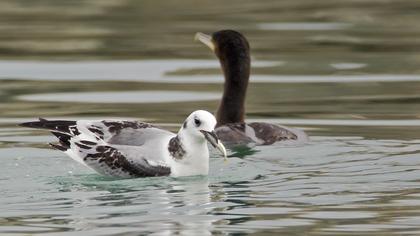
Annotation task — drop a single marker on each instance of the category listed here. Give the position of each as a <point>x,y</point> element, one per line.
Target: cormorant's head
<point>226,44</point>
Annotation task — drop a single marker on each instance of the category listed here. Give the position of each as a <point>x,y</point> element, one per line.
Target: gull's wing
<point>119,160</point>
<point>119,132</point>
<point>111,147</point>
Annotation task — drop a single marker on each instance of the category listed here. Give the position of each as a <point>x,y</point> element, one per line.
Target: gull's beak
<point>206,39</point>
<point>215,142</point>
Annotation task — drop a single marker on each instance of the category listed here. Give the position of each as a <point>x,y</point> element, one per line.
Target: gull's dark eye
<point>197,122</point>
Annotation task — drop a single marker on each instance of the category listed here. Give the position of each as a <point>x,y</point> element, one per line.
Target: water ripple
<point>331,183</point>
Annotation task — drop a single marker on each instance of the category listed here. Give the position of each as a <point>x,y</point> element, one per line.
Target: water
<point>346,72</point>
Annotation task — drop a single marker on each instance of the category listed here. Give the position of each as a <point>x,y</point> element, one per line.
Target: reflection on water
<point>174,71</point>
<point>347,72</point>
<point>345,182</point>
<point>123,97</point>
<point>304,26</point>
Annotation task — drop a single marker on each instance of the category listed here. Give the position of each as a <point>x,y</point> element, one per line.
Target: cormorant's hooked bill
<point>206,39</point>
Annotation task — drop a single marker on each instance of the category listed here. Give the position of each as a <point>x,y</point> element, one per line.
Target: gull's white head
<point>198,121</point>
<point>200,125</point>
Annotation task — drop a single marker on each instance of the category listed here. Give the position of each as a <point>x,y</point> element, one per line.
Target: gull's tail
<point>64,130</point>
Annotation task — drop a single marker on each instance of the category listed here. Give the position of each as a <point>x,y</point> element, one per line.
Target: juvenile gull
<point>232,49</point>
<point>136,149</point>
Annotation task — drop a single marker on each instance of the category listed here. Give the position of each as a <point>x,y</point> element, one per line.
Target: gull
<point>123,148</point>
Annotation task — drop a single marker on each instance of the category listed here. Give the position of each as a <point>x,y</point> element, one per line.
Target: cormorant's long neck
<point>236,70</point>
